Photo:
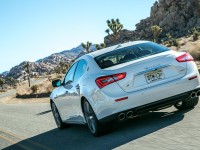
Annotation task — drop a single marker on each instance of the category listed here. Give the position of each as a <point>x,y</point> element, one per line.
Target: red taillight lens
<point>105,80</point>
<point>185,57</point>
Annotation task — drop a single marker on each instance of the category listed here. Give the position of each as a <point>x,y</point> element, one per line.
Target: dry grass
<point>44,87</point>
<point>182,41</point>
<point>195,51</point>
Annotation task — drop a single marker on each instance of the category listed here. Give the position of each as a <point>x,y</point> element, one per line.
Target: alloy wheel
<point>90,119</point>
<point>56,115</point>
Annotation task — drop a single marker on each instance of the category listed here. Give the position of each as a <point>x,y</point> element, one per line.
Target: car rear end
<point>142,77</point>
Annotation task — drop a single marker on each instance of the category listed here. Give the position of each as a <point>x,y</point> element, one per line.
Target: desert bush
<point>34,88</point>
<point>195,51</point>
<point>172,41</point>
<point>195,33</point>
<point>195,36</point>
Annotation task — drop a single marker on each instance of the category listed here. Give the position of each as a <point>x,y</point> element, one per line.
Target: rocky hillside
<point>173,16</point>
<point>46,64</point>
<point>5,73</point>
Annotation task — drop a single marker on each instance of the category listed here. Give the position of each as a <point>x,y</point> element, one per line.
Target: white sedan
<point>123,81</point>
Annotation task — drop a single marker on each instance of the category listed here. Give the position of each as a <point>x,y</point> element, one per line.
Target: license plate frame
<point>154,76</point>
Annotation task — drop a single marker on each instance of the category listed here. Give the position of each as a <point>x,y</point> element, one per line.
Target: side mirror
<point>56,83</point>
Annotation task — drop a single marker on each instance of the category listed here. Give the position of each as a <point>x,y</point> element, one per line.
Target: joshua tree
<point>115,26</point>
<point>156,32</point>
<point>27,68</point>
<point>100,46</point>
<point>107,31</point>
<point>87,46</point>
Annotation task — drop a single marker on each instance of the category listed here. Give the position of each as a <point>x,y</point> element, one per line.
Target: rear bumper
<point>154,106</point>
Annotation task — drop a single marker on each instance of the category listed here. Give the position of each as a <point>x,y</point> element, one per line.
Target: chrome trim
<point>152,69</point>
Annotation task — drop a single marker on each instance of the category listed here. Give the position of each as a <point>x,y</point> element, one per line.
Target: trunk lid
<point>150,71</point>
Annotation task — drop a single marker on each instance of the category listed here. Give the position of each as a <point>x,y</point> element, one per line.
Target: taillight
<point>185,57</point>
<point>105,80</point>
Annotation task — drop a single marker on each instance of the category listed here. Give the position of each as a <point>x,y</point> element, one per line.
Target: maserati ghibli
<point>122,82</point>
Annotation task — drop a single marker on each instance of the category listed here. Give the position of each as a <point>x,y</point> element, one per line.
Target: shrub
<point>195,33</point>
<point>195,36</point>
<point>172,41</point>
<point>34,88</point>
<point>195,51</point>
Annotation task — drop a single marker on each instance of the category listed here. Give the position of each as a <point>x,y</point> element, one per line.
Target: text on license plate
<point>154,76</point>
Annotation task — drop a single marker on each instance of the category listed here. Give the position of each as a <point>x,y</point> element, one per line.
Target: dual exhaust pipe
<point>123,116</point>
<point>195,94</point>
<point>130,114</point>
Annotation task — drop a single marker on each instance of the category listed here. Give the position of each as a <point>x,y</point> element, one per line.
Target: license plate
<point>154,76</point>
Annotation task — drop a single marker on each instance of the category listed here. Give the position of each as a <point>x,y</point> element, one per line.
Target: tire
<point>60,124</point>
<point>95,127</point>
<point>189,103</point>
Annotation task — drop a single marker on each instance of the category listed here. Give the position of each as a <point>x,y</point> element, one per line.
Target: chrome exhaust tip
<point>121,116</point>
<point>129,114</point>
<point>198,93</point>
<point>193,94</point>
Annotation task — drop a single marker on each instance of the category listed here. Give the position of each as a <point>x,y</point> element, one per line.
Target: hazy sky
<point>33,29</point>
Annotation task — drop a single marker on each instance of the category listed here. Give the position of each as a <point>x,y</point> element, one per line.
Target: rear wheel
<point>189,103</point>
<point>94,125</point>
<point>56,115</point>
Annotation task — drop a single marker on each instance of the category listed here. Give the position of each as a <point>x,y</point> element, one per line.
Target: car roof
<point>118,46</point>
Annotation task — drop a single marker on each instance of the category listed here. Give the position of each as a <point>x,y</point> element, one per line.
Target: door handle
<point>77,87</point>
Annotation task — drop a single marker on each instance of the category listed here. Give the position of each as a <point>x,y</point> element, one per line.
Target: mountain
<point>175,17</point>
<point>45,65</point>
<point>5,73</point>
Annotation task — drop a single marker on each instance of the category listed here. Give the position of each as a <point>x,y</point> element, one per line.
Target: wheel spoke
<point>89,117</point>
<point>56,115</point>
<point>92,123</point>
<point>88,109</point>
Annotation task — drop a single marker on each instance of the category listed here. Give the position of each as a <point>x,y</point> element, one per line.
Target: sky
<point>33,29</point>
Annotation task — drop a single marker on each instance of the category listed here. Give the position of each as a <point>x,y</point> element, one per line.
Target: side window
<point>80,69</point>
<point>70,73</point>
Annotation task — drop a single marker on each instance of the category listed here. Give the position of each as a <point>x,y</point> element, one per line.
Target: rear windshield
<point>127,54</point>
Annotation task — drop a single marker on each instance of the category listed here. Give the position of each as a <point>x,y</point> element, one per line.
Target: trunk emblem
<point>152,67</point>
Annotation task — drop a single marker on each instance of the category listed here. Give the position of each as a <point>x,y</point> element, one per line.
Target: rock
<point>46,64</point>
<point>174,16</point>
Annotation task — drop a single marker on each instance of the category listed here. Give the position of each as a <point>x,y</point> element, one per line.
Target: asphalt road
<point>6,94</point>
<point>31,126</point>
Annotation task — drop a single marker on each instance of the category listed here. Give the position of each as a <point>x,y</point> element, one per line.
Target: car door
<point>65,95</point>
<point>80,70</point>
<point>70,94</point>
